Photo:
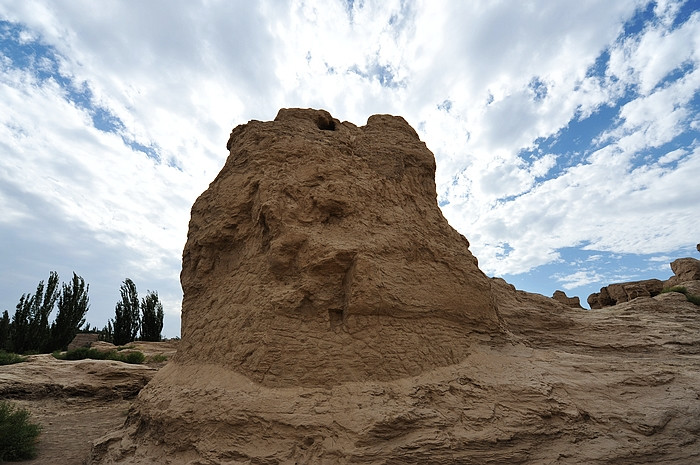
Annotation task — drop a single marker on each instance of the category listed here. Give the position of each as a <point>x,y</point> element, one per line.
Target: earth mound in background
<point>685,270</point>
<point>320,253</point>
<point>331,315</point>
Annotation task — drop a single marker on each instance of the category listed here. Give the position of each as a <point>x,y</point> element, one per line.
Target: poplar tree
<point>126,320</point>
<point>73,304</point>
<point>152,317</point>
<point>5,331</point>
<point>29,330</point>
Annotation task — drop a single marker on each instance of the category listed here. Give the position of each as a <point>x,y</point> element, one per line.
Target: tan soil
<point>71,424</point>
<point>77,402</point>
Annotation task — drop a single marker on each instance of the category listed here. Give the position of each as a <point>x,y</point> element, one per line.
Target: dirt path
<point>71,424</point>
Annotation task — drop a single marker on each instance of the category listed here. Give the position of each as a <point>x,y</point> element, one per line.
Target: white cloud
<point>578,279</point>
<point>665,259</point>
<point>588,203</point>
<point>64,179</point>
<point>647,59</point>
<point>672,156</point>
<point>483,83</point>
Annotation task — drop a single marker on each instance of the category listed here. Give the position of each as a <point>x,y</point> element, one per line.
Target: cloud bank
<point>562,130</point>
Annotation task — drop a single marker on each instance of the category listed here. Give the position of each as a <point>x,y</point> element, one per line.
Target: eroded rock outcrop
<point>331,315</point>
<point>44,376</point>
<point>684,270</point>
<point>561,296</point>
<point>614,294</point>
<point>324,240</point>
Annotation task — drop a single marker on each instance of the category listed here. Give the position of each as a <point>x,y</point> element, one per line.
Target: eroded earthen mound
<point>319,255</point>
<point>332,316</point>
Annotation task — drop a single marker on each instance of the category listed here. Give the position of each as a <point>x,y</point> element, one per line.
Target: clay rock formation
<point>321,254</point>
<point>82,340</point>
<point>684,270</point>
<point>332,316</point>
<point>45,376</point>
<point>572,302</point>
<point>614,294</point>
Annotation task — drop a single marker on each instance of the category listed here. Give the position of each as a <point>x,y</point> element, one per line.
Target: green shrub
<point>8,358</point>
<point>157,358</point>
<point>690,297</point>
<point>85,352</point>
<point>680,289</point>
<point>134,357</point>
<point>18,437</point>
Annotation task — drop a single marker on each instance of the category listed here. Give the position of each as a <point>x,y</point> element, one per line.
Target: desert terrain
<point>77,402</point>
<point>331,315</point>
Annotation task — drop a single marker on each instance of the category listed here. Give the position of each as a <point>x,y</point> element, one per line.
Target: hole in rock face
<point>325,123</point>
<point>335,315</point>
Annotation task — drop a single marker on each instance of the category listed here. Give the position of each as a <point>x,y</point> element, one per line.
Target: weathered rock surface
<point>44,376</point>
<point>684,270</point>
<point>332,316</point>
<point>321,256</point>
<point>614,294</point>
<point>82,340</point>
<point>573,302</point>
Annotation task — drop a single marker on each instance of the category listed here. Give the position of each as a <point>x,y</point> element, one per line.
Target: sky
<point>566,133</point>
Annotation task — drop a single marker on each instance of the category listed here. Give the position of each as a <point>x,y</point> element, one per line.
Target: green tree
<point>107,333</point>
<point>5,331</point>
<point>152,317</point>
<point>126,320</point>
<point>73,304</point>
<point>29,330</point>
<point>19,327</point>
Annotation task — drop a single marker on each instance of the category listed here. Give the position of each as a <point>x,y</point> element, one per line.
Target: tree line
<point>29,329</point>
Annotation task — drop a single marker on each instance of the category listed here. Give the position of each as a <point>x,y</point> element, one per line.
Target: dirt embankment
<point>77,402</point>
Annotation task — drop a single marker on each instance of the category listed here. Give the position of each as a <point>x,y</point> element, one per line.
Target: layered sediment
<point>331,315</point>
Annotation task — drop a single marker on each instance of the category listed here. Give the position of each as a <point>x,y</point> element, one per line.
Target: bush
<point>690,297</point>
<point>85,352</point>
<point>8,358</point>
<point>18,437</point>
<point>680,289</point>
<point>157,358</point>
<point>134,357</point>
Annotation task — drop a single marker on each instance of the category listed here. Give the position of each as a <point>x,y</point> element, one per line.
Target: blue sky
<point>566,133</point>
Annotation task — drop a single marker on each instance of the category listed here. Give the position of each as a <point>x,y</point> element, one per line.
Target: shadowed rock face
<point>319,255</point>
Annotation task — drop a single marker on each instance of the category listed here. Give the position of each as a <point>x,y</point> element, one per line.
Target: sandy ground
<point>76,402</point>
<point>71,424</point>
